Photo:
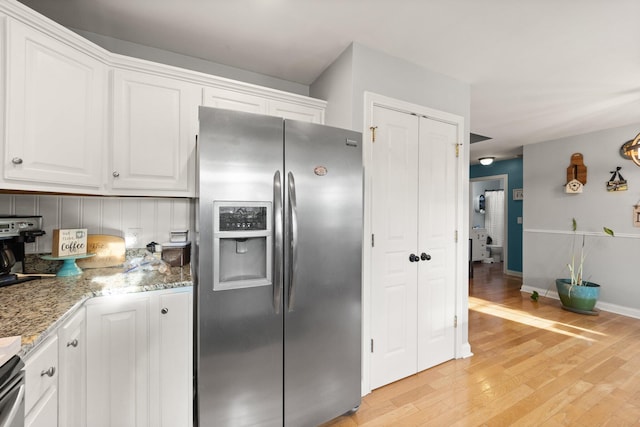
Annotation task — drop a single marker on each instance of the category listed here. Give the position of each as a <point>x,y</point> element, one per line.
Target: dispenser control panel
<point>242,244</point>
<point>241,218</point>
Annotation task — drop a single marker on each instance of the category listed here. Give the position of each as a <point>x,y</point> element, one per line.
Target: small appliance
<point>15,231</point>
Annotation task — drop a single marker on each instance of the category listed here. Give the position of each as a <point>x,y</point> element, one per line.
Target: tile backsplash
<point>149,219</point>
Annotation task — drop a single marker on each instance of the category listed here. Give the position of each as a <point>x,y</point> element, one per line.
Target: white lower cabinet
<point>41,385</point>
<point>139,360</point>
<point>72,379</point>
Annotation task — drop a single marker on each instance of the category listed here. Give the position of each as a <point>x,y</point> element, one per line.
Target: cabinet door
<point>55,106</point>
<point>233,100</point>
<point>118,361</point>
<point>45,413</point>
<point>72,388</point>
<point>289,110</point>
<point>154,128</point>
<point>41,385</point>
<point>173,318</point>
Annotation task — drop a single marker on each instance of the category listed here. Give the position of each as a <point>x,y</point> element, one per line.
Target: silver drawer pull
<point>16,161</point>
<point>115,174</point>
<point>164,310</point>
<point>73,343</point>
<point>49,372</point>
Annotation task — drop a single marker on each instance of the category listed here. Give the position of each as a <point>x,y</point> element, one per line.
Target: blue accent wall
<point>512,168</point>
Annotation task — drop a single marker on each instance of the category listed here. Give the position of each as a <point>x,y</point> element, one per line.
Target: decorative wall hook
<point>576,174</point>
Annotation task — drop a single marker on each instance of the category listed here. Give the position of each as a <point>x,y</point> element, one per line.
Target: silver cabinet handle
<point>16,161</point>
<point>49,372</point>
<point>164,310</point>
<point>277,242</point>
<point>293,254</point>
<point>73,343</point>
<point>115,174</point>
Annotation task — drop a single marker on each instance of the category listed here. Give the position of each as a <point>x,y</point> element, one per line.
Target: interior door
<point>436,242</point>
<point>414,244</point>
<point>395,226</point>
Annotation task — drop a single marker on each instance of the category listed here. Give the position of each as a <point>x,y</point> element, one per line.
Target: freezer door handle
<point>277,242</point>
<point>293,253</point>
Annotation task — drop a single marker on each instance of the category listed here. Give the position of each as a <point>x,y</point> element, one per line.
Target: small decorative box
<point>69,242</point>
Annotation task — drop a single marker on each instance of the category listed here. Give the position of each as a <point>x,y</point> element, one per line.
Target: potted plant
<point>577,294</point>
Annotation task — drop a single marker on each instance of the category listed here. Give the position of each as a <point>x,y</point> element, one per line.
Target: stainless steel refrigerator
<point>278,271</point>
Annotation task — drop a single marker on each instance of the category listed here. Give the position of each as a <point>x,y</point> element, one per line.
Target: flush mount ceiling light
<point>486,161</point>
<point>629,150</point>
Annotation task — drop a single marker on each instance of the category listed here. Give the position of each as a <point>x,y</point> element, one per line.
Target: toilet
<point>495,252</point>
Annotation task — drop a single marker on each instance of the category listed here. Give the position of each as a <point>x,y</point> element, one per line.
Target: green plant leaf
<point>608,231</point>
<point>535,296</point>
<point>574,224</point>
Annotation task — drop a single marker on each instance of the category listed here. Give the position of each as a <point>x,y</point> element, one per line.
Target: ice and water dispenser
<point>242,244</point>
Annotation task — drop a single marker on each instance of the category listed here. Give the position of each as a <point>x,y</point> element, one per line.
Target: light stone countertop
<point>35,308</point>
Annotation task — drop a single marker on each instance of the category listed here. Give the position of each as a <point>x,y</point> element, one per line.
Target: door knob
<point>414,258</point>
<point>425,257</point>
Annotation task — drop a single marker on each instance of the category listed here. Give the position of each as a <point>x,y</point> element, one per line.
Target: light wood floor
<point>534,364</point>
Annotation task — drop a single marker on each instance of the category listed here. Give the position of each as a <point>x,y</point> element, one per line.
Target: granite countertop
<point>35,308</point>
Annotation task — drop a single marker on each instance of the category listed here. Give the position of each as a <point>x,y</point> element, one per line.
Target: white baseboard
<point>601,305</point>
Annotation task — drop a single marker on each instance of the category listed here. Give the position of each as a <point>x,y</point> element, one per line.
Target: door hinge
<point>373,240</point>
<point>373,133</point>
<point>455,236</point>
<point>371,345</point>
<point>455,321</point>
<point>458,150</point>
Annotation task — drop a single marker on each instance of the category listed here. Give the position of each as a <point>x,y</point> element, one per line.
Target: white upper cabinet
<point>273,103</point>
<point>154,131</point>
<point>69,104</point>
<point>233,100</point>
<point>55,122</point>
<point>296,111</point>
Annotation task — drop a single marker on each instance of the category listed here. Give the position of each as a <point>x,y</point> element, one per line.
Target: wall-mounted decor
<point>576,174</point>
<point>617,182</point>
<point>636,216</point>
<point>630,150</point>
<point>518,194</point>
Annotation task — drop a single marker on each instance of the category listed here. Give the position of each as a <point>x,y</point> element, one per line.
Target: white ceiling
<point>538,69</point>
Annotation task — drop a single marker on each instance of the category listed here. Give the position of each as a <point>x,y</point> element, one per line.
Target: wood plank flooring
<point>534,364</point>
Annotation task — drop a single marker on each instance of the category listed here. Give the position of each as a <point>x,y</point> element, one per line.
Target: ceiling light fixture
<point>629,150</point>
<point>486,161</point>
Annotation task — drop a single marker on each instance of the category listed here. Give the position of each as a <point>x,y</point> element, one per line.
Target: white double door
<point>414,252</point>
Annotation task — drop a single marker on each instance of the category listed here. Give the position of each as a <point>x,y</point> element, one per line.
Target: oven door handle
<point>13,412</point>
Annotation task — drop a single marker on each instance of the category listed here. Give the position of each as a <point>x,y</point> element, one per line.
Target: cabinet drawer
<point>41,371</point>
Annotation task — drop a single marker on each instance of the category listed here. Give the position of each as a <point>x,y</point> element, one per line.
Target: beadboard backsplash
<point>149,219</point>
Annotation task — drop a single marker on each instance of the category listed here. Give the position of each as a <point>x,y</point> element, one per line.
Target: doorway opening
<point>488,219</point>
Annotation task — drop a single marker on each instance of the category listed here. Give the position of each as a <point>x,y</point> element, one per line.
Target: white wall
<point>548,211</point>
<point>360,69</point>
<point>154,217</point>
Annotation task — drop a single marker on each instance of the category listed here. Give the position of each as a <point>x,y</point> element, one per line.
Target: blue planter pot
<point>580,299</point>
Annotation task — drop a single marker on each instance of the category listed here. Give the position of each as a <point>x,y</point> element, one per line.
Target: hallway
<point>534,364</point>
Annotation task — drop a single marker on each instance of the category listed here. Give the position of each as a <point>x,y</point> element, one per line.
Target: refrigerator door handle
<point>277,242</point>
<point>293,253</point>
